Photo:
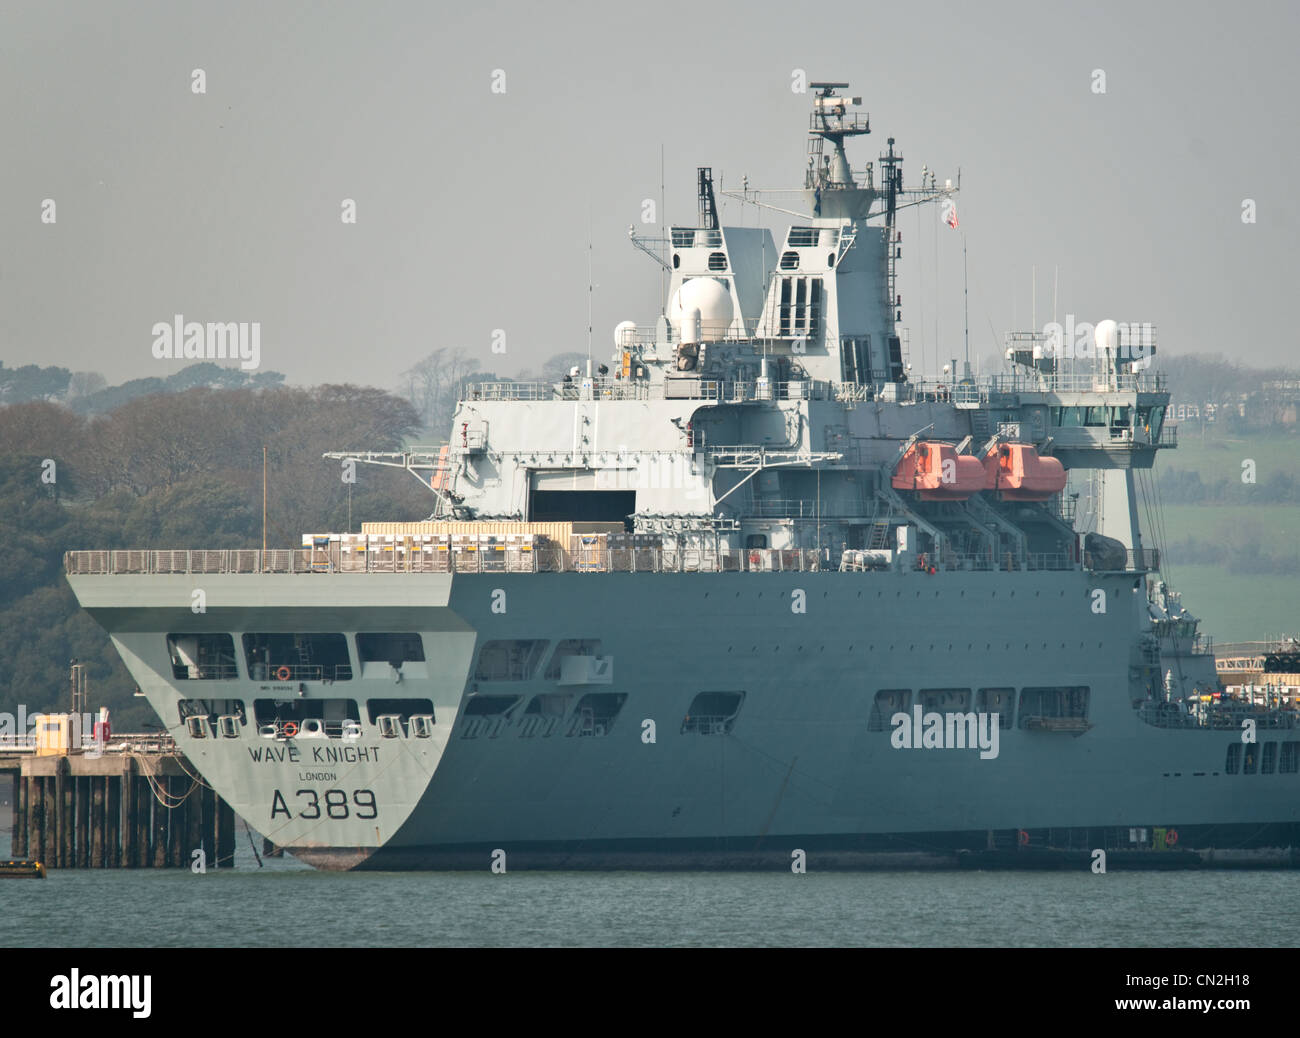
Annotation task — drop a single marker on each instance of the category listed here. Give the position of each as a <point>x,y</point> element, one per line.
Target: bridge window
<point>789,261</point>
<point>548,704</point>
<point>212,710</point>
<point>297,657</point>
<point>1290,762</point>
<point>1268,760</point>
<point>570,647</point>
<point>320,718</point>
<point>1054,709</point>
<point>544,713</point>
<point>944,699</point>
<point>1250,758</point>
<point>1232,764</point>
<point>717,261</point>
<point>486,715</point>
<point>489,706</point>
<point>595,713</point>
<point>889,701</point>
<point>402,708</point>
<point>1000,701</point>
<point>202,657</point>
<point>403,647</point>
<point>515,659</point>
<point>712,713</point>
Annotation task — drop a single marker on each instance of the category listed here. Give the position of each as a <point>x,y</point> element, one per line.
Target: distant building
<point>1275,403</point>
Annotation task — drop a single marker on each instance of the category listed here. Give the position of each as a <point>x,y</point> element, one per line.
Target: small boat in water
<point>22,868</point>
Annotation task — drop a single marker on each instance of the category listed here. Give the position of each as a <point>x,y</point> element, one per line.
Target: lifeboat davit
<point>1019,473</point>
<point>926,464</point>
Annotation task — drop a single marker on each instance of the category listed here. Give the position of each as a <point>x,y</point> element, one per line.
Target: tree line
<point>175,470</point>
<point>88,392</point>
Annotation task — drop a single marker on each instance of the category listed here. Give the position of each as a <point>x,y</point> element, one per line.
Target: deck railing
<point>969,392</point>
<point>119,744</point>
<point>516,559</point>
<point>433,559</point>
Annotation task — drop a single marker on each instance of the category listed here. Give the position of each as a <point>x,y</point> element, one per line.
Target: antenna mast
<point>589,288</point>
<point>965,284</point>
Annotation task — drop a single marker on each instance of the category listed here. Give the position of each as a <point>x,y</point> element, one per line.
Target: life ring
<point>1024,838</point>
<point>283,673</point>
<point>290,729</point>
<point>1171,837</point>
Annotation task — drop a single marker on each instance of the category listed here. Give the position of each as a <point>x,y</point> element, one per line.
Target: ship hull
<point>1201,847</point>
<point>804,766</point>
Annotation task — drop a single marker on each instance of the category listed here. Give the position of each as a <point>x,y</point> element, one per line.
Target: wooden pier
<point>137,805</point>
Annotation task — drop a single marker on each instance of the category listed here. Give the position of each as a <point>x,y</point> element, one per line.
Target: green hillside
<point>1233,548</point>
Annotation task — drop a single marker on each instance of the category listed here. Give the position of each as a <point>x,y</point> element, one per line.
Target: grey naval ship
<point>747,590</point>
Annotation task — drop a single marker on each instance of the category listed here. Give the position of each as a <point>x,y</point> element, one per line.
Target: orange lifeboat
<point>926,464</point>
<point>1019,473</point>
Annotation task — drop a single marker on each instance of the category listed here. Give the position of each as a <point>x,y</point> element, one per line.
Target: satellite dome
<point>624,333</point>
<point>711,298</point>
<point>1106,336</point>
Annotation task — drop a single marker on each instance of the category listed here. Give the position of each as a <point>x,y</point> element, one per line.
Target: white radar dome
<point>711,298</point>
<point>1106,336</point>
<point>624,333</point>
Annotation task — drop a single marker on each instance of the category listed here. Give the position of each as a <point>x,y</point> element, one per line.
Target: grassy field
<point>1235,606</point>
<point>1216,457</point>
<point>1275,528</point>
<point>1239,608</point>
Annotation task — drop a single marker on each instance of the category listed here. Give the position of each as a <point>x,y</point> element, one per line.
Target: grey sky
<point>472,206</point>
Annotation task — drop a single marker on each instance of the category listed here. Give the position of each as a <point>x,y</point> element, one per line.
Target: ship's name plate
<point>291,754</point>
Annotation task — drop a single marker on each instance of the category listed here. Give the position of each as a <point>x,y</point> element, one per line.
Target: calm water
<point>286,904</point>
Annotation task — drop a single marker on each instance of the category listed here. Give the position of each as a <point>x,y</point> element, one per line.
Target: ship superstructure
<point>840,608</point>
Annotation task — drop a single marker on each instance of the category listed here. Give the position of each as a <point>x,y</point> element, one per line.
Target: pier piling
<point>113,822</point>
<point>45,842</point>
<point>97,783</point>
<point>83,806</point>
<point>63,814</point>
<point>20,816</point>
<point>140,808</point>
